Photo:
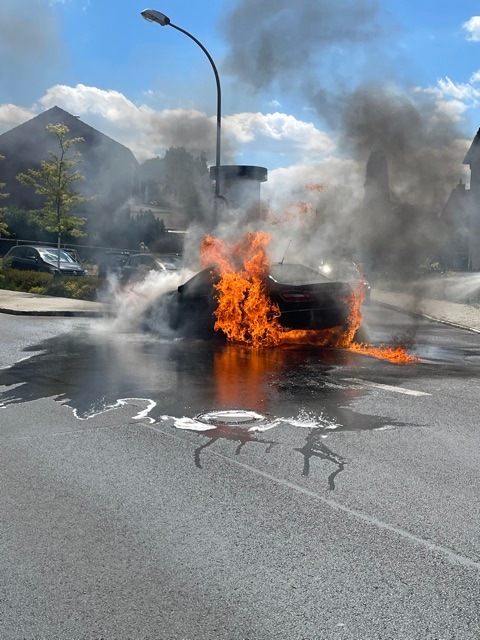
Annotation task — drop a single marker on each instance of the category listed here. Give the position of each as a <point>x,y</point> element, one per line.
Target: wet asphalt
<point>340,500</point>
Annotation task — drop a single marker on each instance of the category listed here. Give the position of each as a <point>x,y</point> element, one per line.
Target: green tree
<point>21,224</point>
<point>55,180</point>
<point>3,224</point>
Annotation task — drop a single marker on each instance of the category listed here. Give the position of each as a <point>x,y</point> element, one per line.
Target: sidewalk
<point>18,303</point>
<point>460,315</point>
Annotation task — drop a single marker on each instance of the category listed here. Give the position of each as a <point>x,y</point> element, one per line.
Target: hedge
<point>79,287</point>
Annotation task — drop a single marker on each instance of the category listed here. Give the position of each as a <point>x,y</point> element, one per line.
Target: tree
<point>187,180</point>
<point>145,227</point>
<point>179,179</point>
<point>55,180</point>
<point>3,224</point>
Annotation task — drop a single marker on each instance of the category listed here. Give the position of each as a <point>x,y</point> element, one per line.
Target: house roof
<point>473,154</point>
<point>32,132</point>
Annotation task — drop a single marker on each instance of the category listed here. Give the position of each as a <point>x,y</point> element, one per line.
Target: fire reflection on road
<point>171,383</point>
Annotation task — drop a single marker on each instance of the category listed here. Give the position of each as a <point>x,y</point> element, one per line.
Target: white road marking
<point>387,387</point>
<point>454,558</point>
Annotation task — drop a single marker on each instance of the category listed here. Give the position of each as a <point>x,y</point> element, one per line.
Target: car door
<point>17,256</point>
<point>31,260</point>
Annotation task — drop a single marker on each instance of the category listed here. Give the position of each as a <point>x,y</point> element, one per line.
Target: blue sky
<point>301,81</point>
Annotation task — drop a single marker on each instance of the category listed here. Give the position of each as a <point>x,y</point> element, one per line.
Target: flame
<point>246,315</point>
<point>316,187</point>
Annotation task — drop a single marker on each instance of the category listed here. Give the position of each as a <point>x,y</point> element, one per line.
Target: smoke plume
<point>30,47</point>
<point>345,60</point>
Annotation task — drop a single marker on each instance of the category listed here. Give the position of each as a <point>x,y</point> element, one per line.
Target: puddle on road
<point>294,397</point>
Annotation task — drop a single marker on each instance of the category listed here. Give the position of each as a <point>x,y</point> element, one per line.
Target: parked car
<point>40,258</point>
<point>346,270</point>
<point>306,299</point>
<point>140,265</point>
<point>112,261</point>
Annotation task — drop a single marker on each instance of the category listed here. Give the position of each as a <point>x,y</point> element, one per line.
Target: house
<point>473,160</point>
<point>110,169</point>
<point>461,214</point>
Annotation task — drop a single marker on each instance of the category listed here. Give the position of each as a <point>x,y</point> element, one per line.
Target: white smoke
<point>140,305</point>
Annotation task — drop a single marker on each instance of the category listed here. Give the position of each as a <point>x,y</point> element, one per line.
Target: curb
<point>417,314</point>
<point>65,314</point>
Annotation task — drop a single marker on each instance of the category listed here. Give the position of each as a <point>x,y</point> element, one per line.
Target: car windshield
<point>51,255</point>
<point>340,269</point>
<point>171,263</point>
<point>295,274</point>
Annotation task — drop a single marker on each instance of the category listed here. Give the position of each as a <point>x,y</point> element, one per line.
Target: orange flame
<point>246,315</point>
<point>316,187</point>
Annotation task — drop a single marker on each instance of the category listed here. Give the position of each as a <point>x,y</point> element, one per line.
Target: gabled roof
<point>29,133</point>
<point>473,154</point>
<point>109,168</point>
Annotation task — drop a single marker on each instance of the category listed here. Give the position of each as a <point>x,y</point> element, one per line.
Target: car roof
<point>289,273</point>
<point>155,254</point>
<point>39,246</point>
<point>282,273</point>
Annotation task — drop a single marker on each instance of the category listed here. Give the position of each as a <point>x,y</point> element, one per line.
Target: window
<point>31,254</point>
<point>17,252</point>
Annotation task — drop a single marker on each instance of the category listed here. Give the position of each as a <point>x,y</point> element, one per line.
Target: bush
<point>39,290</point>
<point>428,267</point>
<point>27,280</point>
<point>79,287</point>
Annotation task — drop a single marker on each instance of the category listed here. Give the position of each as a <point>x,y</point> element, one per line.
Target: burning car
<point>347,271</point>
<point>299,297</point>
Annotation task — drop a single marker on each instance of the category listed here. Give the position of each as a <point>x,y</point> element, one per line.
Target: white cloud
<point>148,132</point>
<point>454,98</point>
<point>253,137</point>
<point>472,27</point>
<point>112,105</point>
<point>11,116</point>
<point>281,132</point>
<point>458,91</point>
<point>475,77</point>
<point>145,131</point>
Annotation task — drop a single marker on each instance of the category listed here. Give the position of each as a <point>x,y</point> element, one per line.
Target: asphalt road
<point>161,488</point>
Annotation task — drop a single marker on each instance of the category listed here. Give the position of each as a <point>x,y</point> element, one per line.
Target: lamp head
<point>155,16</point>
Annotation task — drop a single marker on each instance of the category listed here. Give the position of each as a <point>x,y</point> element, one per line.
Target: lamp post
<point>160,18</point>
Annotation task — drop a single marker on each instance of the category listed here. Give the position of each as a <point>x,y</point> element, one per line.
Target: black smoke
<point>345,59</point>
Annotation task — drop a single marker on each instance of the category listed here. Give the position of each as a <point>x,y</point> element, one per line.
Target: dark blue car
<point>39,258</point>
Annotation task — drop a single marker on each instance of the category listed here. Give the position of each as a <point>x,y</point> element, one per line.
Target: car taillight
<point>296,296</point>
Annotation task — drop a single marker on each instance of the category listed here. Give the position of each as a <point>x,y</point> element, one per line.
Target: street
<point>156,487</point>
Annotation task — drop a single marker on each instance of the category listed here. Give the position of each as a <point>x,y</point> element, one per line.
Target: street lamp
<point>160,18</point>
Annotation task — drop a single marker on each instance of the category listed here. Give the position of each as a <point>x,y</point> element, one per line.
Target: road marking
<point>387,387</point>
<point>450,555</point>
